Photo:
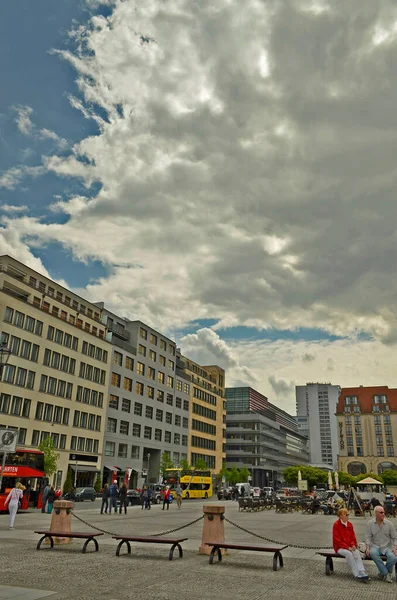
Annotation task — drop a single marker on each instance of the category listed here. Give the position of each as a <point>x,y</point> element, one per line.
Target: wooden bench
<point>89,537</point>
<point>331,554</point>
<point>126,539</point>
<point>277,556</point>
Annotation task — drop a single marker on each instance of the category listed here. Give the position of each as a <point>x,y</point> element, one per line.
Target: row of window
<point>92,373</point>
<point>182,386</point>
<point>203,427</point>
<point>15,405</point>
<point>20,347</point>
<point>380,451</point>
<point>84,444</point>
<point>153,340</point>
<point>114,401</point>
<point>204,411</point>
<point>51,413</point>
<point>118,360</point>
<point>86,420</point>
<point>94,352</point>
<point>56,387</point>
<point>148,433</point>
<point>142,351</point>
<point>199,442</point>
<point>63,315</point>
<point>110,450</point>
<point>88,396</point>
<point>201,395</point>
<point>59,440</point>
<point>149,412</point>
<point>23,321</point>
<point>18,376</point>
<point>60,337</point>
<point>209,460</point>
<point>55,360</point>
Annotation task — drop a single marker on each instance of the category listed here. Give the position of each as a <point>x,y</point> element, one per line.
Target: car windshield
<point>79,490</point>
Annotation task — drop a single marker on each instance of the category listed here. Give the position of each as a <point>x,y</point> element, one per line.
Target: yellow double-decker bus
<point>194,484</point>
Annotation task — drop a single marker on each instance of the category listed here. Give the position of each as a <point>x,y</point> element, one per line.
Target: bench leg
<point>126,542</point>
<point>171,554</point>
<point>87,542</point>
<point>212,554</point>
<point>41,540</point>
<point>277,558</point>
<point>329,565</point>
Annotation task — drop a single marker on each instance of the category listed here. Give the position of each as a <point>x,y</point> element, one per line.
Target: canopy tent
<point>369,481</point>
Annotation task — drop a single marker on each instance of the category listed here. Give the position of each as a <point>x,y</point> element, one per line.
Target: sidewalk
<point>148,574</point>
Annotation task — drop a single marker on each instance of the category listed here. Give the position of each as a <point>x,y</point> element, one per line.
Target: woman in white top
<point>12,500</point>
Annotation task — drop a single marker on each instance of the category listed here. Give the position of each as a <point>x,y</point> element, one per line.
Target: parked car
<point>157,488</point>
<point>84,493</point>
<point>225,494</point>
<point>255,492</point>
<point>133,497</point>
<point>268,492</point>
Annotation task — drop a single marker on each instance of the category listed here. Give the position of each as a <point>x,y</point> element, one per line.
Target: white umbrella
<point>330,484</point>
<point>299,475</point>
<point>336,480</point>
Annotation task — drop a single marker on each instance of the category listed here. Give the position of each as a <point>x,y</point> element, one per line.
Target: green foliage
<point>389,477</point>
<point>200,464</point>
<point>313,475</point>
<point>67,486</point>
<point>166,463</point>
<point>186,468</point>
<point>346,479</point>
<point>244,474</point>
<point>98,483</point>
<point>51,456</point>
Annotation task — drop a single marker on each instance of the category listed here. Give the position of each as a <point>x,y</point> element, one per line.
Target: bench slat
<point>252,547</point>
<point>67,534</point>
<point>153,540</point>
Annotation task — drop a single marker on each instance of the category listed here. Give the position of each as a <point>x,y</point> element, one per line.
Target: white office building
<point>315,410</point>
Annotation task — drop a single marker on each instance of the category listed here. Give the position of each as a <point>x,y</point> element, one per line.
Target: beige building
<point>207,429</point>
<point>57,377</point>
<point>367,429</point>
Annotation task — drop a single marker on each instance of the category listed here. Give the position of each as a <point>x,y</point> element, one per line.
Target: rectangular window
<point>21,377</point>
<point>142,350</point>
<point>170,399</point>
<point>167,437</point>
<point>129,363</point>
<point>139,388</point>
<point>178,420</point>
<point>149,412</point>
<point>160,377</point>
<point>163,345</point>
<point>118,358</point>
<point>126,405</point>
<point>67,340</point>
<point>35,353</point>
<point>159,414</point>
<point>160,396</point>
<point>138,409</point>
<point>177,439</point>
<point>35,437</point>
<point>48,412</point>
<point>168,418</point>
<point>171,365</point>
<point>8,314</point>
<point>19,319</point>
<point>55,360</point>
<point>110,448</point>
<point>111,425</point>
<point>178,402</point>
<point>25,349</point>
<point>39,411</point>
<point>152,355</point>
<point>147,433</point>
<point>39,328</point>
<point>178,385</point>
<point>25,408</point>
<point>15,343</point>
<point>30,380</point>
<point>43,383</point>
<point>116,378</point>
<point>8,374</point>
<point>136,430</point>
<point>124,427</point>
<point>128,384</point>
<point>113,402</point>
<point>134,451</point>
<point>143,333</point>
<point>88,445</point>
<point>52,385</point>
<point>186,405</point>
<point>123,450</point>
<point>16,405</point>
<point>151,373</point>
<point>58,336</point>
<point>153,339</point>
<point>62,442</point>
<point>157,435</point>
<point>150,391</point>
<point>162,360</point>
<point>140,368</point>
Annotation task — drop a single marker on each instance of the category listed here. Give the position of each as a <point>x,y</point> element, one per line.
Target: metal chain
<point>152,535</point>
<point>276,541</point>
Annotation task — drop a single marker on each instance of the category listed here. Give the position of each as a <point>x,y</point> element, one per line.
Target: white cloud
<point>23,120</point>
<point>10,208</point>
<point>12,177</point>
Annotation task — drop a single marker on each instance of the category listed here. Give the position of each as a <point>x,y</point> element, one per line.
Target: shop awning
<point>84,468</point>
<point>111,468</point>
<point>16,471</point>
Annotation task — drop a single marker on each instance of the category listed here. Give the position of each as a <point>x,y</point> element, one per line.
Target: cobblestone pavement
<point>148,574</point>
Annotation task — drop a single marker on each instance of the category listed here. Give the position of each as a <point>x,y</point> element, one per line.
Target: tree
<point>234,475</point>
<point>313,475</point>
<point>185,467</point>
<point>51,456</point>
<point>98,483</point>
<point>346,479</point>
<point>200,464</point>
<point>166,463</point>
<point>67,486</point>
<point>244,473</point>
<point>389,477</point>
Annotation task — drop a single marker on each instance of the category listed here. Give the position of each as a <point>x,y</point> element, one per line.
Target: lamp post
<point>4,357</point>
<point>148,465</point>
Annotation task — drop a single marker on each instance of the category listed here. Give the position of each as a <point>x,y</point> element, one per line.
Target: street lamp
<point>148,464</point>
<point>4,356</point>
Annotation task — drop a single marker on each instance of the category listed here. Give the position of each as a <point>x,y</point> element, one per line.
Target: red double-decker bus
<point>26,466</point>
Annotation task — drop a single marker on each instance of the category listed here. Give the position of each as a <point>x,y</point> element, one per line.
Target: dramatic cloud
<point>11,178</point>
<point>28,128</point>
<point>281,387</point>
<point>245,162</point>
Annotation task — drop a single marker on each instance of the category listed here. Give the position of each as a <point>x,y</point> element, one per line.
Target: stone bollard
<point>61,520</point>
<point>213,528</point>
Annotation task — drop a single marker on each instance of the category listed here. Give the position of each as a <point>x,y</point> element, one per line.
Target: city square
<point>148,574</point>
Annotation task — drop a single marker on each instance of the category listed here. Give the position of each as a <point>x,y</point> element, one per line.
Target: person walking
<point>123,498</point>
<point>105,499</point>
<point>44,498</point>
<point>166,499</point>
<point>148,499</point>
<point>143,497</point>
<point>13,499</point>
<point>178,492</point>
<point>113,494</point>
<point>344,542</point>
<point>381,540</point>
<point>50,499</point>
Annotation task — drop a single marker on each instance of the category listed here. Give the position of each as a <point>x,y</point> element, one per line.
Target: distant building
<point>261,437</point>
<point>315,410</point>
<point>367,428</point>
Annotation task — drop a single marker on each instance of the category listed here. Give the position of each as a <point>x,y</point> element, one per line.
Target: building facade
<point>367,429</point>
<point>261,437</point>
<point>315,409</point>
<point>208,413</point>
<point>55,383</point>
<point>148,403</point>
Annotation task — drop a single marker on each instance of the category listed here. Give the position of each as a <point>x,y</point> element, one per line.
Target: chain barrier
<point>151,535</point>
<point>276,541</point>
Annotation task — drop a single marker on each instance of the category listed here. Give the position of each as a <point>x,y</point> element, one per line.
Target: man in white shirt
<point>381,540</point>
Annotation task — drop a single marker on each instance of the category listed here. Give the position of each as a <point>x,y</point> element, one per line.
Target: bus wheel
<point>206,496</point>
<point>187,496</point>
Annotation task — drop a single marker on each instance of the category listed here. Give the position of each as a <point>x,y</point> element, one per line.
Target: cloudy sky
<point>223,170</point>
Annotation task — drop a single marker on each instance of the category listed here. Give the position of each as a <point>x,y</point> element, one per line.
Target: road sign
<point>8,440</point>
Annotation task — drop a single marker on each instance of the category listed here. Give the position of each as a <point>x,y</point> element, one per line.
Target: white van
<point>246,487</point>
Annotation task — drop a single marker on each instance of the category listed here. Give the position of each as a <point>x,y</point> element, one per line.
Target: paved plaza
<point>65,573</point>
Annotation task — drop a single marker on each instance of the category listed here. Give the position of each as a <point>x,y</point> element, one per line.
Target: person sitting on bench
<point>381,540</point>
<point>344,542</point>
